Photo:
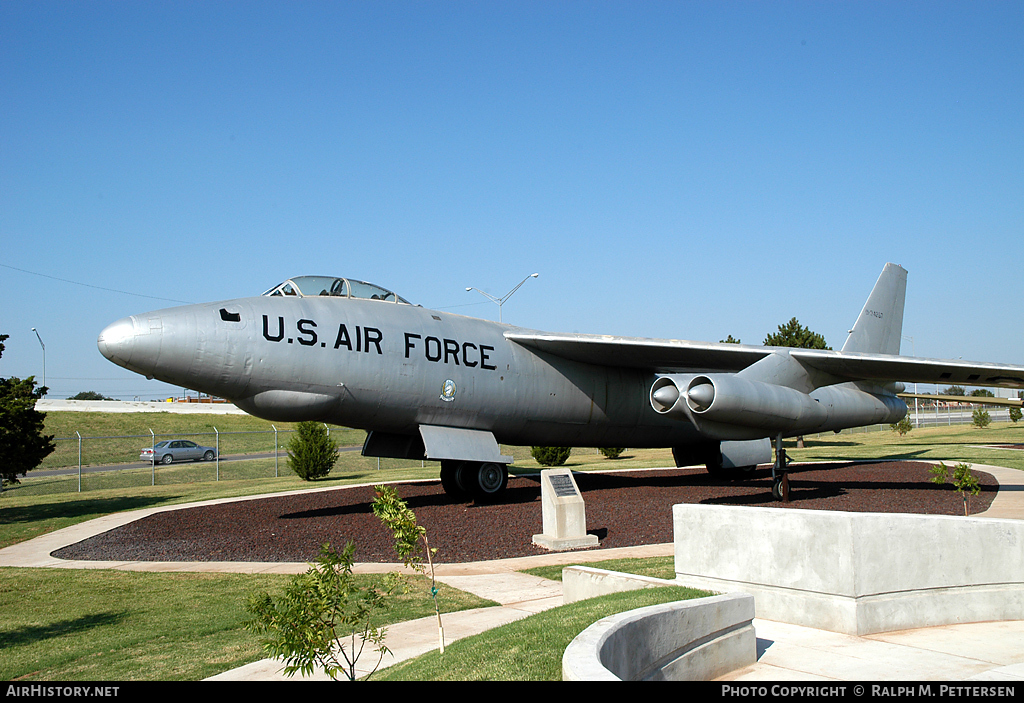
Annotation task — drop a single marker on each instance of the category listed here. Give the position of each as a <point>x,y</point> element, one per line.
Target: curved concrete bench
<point>690,640</point>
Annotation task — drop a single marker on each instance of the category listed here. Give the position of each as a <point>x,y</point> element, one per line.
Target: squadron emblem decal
<point>448,391</point>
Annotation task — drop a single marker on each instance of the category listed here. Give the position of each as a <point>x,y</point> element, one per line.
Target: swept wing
<point>680,356</point>
<point>659,355</point>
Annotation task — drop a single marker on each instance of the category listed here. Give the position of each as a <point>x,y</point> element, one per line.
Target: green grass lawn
<point>655,567</point>
<point>957,443</point>
<point>530,649</point>
<point>105,625</point>
<point>112,438</point>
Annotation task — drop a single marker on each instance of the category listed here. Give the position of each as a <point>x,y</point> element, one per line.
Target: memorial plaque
<point>563,513</point>
<point>563,485</point>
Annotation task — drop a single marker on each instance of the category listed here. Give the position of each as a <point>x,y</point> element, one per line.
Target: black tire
<point>491,481</point>
<point>209,456</point>
<point>780,489</point>
<point>451,479</point>
<point>732,473</point>
<point>167,459</point>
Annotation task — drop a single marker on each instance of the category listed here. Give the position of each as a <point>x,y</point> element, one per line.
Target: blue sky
<point>681,170</point>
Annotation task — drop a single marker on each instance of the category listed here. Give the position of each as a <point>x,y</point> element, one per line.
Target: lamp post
<point>501,301</point>
<point>917,421</point>
<point>44,354</point>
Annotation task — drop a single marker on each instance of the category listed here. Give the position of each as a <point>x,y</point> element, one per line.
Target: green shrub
<point>311,451</point>
<point>903,426</point>
<point>1015,414</point>
<point>981,418</point>
<point>612,452</point>
<point>550,456</point>
<point>962,478</point>
<point>324,619</point>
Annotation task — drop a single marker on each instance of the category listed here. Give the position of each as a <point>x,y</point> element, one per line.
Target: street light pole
<point>44,354</point>
<point>913,352</point>
<point>501,301</point>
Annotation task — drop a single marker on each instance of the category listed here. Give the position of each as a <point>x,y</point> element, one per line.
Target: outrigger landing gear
<point>780,476</point>
<point>482,481</point>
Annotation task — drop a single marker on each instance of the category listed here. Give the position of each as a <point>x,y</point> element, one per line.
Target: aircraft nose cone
<point>117,341</point>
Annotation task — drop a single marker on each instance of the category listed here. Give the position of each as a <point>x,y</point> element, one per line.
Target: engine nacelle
<point>748,408</point>
<point>727,407</point>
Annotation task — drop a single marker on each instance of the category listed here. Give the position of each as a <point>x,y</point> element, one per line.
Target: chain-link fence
<point>83,463</point>
<point>936,416</point>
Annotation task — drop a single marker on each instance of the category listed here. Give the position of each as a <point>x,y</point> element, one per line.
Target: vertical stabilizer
<point>879,329</point>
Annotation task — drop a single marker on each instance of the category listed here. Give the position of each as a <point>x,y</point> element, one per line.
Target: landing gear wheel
<point>780,488</point>
<point>734,473</point>
<point>716,469</point>
<point>453,479</point>
<point>491,480</point>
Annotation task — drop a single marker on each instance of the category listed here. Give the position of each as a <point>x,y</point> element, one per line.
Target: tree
<point>980,418</point>
<point>550,456</point>
<point>793,334</point>
<point>981,393</point>
<point>903,426</point>
<point>311,451</point>
<point>323,619</point>
<point>954,390</point>
<point>401,520</point>
<point>23,445</point>
<point>612,452</point>
<point>1015,414</point>
<point>965,482</point>
<point>89,395</point>
<point>729,340</point>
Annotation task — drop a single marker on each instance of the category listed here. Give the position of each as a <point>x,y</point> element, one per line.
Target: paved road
<point>148,465</point>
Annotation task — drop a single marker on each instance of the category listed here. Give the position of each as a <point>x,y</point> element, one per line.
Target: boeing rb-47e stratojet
<point>433,385</point>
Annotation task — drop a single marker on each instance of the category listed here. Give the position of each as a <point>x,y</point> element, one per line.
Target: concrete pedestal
<point>563,511</point>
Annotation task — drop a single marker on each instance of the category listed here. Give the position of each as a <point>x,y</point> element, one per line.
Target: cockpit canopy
<point>314,286</point>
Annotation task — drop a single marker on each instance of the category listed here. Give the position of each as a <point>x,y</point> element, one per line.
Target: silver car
<point>177,450</point>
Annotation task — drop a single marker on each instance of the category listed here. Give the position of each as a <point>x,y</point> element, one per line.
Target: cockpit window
<point>370,291</point>
<point>314,286</point>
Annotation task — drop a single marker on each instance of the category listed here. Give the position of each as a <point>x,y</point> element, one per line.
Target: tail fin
<point>879,328</point>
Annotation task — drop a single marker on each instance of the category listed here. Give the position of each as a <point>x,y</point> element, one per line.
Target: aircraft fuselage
<point>381,366</point>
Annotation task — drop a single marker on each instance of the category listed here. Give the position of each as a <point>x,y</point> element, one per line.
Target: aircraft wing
<point>909,369</point>
<point>660,355</point>
<point>680,356</point>
<point>973,399</point>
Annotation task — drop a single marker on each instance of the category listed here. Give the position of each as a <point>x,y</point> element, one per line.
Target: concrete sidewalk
<point>990,651</point>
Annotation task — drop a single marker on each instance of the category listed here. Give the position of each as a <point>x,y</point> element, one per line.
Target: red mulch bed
<point>623,510</point>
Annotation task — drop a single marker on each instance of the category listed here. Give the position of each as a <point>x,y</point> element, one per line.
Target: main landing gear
<point>482,481</point>
<point>780,476</point>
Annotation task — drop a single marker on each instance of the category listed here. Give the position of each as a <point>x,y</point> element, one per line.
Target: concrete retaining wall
<point>855,573</point>
<point>692,640</point>
<point>136,406</point>
<point>582,582</point>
